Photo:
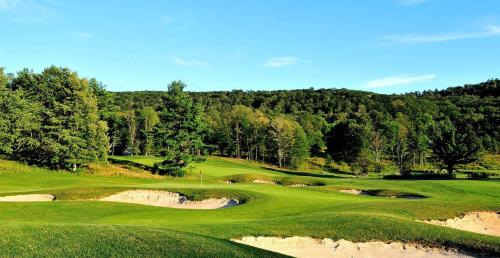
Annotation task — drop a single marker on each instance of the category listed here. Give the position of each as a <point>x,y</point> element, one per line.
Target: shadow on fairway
<point>298,173</point>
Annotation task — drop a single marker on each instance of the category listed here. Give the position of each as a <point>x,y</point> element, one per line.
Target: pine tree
<point>179,129</point>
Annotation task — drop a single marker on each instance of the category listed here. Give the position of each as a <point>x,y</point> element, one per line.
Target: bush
<point>199,159</point>
<point>420,175</point>
<point>360,166</point>
<point>378,167</point>
<point>478,175</point>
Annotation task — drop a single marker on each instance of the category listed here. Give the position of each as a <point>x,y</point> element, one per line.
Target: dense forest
<point>57,119</point>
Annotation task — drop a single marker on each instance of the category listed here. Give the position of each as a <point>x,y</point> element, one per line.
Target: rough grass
<point>272,210</point>
<point>117,170</point>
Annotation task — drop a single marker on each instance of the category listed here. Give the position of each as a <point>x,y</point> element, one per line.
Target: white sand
<point>28,198</point>
<point>299,185</point>
<point>480,222</point>
<point>354,191</point>
<point>304,247</point>
<point>168,199</point>
<point>361,192</point>
<point>260,181</point>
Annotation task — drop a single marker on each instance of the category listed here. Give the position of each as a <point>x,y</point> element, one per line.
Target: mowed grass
<point>94,228</point>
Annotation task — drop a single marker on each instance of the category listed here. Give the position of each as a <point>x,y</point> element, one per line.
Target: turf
<point>79,226</point>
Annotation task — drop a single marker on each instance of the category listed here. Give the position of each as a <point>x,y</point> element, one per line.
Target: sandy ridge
<point>28,198</point>
<point>483,222</point>
<point>305,247</point>
<point>168,199</point>
<point>260,181</point>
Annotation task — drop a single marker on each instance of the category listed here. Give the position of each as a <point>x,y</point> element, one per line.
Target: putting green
<point>75,225</point>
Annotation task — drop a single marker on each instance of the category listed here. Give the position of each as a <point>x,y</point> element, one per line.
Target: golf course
<point>78,223</point>
<point>222,128</point>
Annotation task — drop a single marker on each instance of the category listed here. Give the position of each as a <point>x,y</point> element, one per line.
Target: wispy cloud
<point>182,19</point>
<point>399,80</point>
<point>83,35</point>
<point>29,11</point>
<point>8,4</point>
<point>488,31</point>
<point>280,61</point>
<point>182,61</point>
<point>411,2</point>
<point>165,20</point>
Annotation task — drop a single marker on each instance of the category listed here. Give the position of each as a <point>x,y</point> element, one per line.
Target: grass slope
<point>274,210</point>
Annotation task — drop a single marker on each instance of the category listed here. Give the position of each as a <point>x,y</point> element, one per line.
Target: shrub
<point>378,167</point>
<point>478,175</point>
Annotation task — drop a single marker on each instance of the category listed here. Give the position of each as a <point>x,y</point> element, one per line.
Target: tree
<point>131,120</point>
<point>346,141</point>
<point>454,145</point>
<point>70,132</point>
<point>314,127</point>
<point>288,141</point>
<point>282,133</point>
<point>179,128</point>
<point>257,136</point>
<point>300,148</point>
<point>149,119</point>
<point>376,145</point>
<point>401,149</point>
<point>17,121</point>
<point>238,119</point>
<point>117,132</point>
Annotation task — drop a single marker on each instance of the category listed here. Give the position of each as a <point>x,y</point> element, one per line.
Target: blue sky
<point>387,46</point>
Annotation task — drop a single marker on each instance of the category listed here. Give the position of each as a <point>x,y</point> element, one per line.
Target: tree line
<point>57,119</point>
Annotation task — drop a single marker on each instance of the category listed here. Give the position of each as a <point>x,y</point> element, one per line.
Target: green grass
<point>145,160</point>
<point>78,226</point>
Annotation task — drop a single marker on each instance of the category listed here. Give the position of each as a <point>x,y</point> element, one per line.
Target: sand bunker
<point>378,194</point>
<point>479,222</point>
<point>299,185</point>
<point>28,198</point>
<point>260,181</point>
<point>354,191</point>
<point>168,199</point>
<point>309,247</point>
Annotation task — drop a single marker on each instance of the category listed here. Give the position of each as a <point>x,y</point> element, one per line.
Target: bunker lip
<point>482,222</point>
<point>261,181</point>
<point>28,198</point>
<point>303,247</point>
<point>380,193</point>
<point>167,199</point>
<point>299,185</point>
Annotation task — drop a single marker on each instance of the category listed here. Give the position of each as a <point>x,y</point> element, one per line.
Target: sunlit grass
<point>279,210</point>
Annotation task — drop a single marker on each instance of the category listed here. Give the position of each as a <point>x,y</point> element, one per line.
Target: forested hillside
<point>347,125</point>
<point>57,119</point>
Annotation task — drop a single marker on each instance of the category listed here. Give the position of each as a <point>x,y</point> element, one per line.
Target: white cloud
<point>488,31</point>
<point>399,80</point>
<point>280,61</point>
<point>182,61</point>
<point>411,2</point>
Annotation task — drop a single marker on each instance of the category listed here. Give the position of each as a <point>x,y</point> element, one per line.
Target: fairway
<point>307,129</point>
<point>78,224</point>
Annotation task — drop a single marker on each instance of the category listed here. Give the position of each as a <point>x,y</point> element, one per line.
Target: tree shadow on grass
<point>298,173</point>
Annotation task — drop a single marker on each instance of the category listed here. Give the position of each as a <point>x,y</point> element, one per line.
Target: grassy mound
<point>270,210</point>
<point>21,240</point>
